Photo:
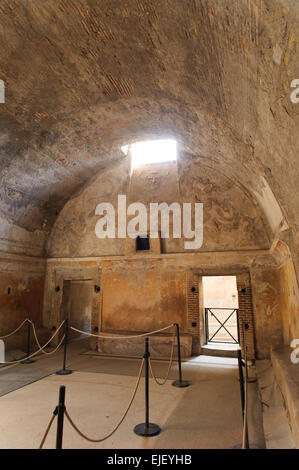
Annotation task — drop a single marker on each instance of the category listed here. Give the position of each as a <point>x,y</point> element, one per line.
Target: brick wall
<point>195,317</point>
<point>246,313</point>
<point>193,326</point>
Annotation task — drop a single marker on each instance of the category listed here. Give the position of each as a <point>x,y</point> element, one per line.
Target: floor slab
<point>205,415</point>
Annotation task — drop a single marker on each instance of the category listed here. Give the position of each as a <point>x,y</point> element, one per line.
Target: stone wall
<point>289,296</point>
<point>267,309</point>
<point>21,291</point>
<point>232,218</point>
<point>139,298</point>
<point>148,292</point>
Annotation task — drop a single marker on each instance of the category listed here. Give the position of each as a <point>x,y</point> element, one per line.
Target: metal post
<point>245,436</point>
<point>28,361</point>
<point>180,382</point>
<point>64,371</point>
<point>242,390</point>
<point>245,327</point>
<point>147,429</point>
<point>60,418</point>
<point>241,378</point>
<point>245,444</point>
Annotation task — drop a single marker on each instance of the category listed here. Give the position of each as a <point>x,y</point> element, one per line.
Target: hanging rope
<point>55,412</point>
<point>121,337</point>
<point>16,330</point>
<point>169,366</point>
<point>38,343</point>
<point>119,423</point>
<point>40,349</point>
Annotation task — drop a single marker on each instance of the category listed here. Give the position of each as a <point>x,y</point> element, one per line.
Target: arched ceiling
<point>84,77</point>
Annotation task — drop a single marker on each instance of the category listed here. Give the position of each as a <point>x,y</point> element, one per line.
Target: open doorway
<point>221,306</point>
<point>77,305</point>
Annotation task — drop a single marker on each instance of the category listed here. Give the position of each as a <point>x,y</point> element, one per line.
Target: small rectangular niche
<point>142,243</point>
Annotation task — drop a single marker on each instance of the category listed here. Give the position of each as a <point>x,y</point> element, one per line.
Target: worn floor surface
<point>205,415</point>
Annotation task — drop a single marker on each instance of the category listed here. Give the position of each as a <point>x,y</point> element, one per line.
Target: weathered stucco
<point>21,291</point>
<point>288,296</point>
<point>74,94</point>
<point>84,78</point>
<point>149,291</point>
<point>143,299</point>
<point>232,219</point>
<point>267,308</point>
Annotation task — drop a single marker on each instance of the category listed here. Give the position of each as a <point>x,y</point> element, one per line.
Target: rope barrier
<point>54,350</point>
<point>119,423</point>
<point>55,412</point>
<point>169,366</point>
<point>16,330</point>
<point>38,343</point>
<point>40,349</point>
<point>121,337</point>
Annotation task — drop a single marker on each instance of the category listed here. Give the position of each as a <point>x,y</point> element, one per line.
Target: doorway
<point>76,305</point>
<point>221,306</point>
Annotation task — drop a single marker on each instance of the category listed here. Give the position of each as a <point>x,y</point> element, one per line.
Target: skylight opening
<point>151,152</point>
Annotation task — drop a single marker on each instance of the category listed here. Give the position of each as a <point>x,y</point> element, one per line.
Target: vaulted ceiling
<point>85,77</point>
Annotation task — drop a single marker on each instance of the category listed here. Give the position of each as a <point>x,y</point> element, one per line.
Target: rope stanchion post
<point>147,429</point>
<point>245,328</point>
<point>65,371</point>
<point>245,443</point>
<point>60,417</point>
<point>241,380</point>
<point>179,383</point>
<point>28,361</point>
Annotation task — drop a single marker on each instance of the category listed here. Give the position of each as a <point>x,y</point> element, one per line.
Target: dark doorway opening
<point>77,305</point>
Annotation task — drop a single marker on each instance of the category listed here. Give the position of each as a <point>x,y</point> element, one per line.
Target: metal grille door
<point>222,325</point>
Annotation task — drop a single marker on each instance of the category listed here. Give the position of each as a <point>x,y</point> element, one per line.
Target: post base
<point>181,384</point>
<point>249,381</point>
<point>28,361</point>
<point>147,431</point>
<point>64,372</point>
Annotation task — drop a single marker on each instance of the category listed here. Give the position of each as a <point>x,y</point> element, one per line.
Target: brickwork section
<point>245,309</point>
<point>192,304</point>
<point>246,313</point>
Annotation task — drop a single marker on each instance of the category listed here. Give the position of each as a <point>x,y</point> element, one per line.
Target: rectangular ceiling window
<point>152,151</point>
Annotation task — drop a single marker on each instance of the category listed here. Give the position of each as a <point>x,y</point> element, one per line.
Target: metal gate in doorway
<point>222,325</point>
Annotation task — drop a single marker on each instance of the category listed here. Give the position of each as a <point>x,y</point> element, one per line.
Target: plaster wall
<point>143,300</point>
<point>289,301</point>
<point>232,219</point>
<point>267,309</point>
<point>148,292</point>
<point>276,299</point>
<point>21,291</point>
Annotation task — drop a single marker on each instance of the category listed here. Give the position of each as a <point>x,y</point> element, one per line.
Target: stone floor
<point>205,415</point>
